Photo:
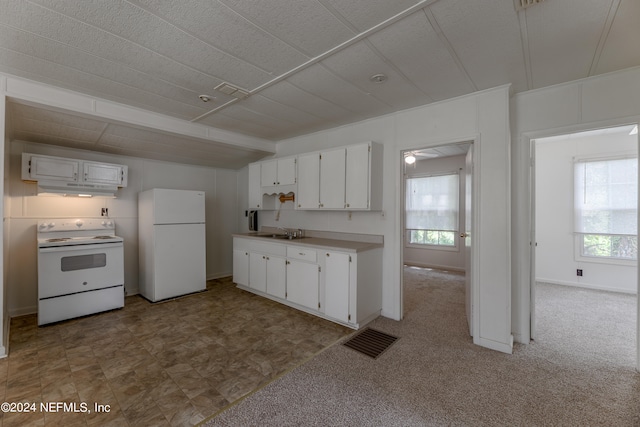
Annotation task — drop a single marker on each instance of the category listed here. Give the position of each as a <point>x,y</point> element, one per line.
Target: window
<point>432,210</point>
<point>606,201</point>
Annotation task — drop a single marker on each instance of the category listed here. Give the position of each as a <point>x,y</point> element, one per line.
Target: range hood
<point>76,189</point>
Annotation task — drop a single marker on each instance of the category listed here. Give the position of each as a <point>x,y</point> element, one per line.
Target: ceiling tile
<point>62,76</point>
<point>90,40</point>
<point>621,49</point>
<point>484,34</point>
<point>413,46</point>
<point>364,14</point>
<point>562,40</point>
<point>219,26</point>
<point>306,25</point>
<point>288,94</point>
<point>141,28</point>
<point>358,62</point>
<point>323,83</point>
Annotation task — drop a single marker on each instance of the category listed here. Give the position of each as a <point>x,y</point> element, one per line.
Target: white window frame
<point>407,232</point>
<point>579,236</point>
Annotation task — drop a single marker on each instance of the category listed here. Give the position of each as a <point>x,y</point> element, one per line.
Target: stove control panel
<point>75,224</point>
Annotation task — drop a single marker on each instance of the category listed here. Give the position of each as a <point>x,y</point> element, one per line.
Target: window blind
<point>606,196</point>
<point>432,203</point>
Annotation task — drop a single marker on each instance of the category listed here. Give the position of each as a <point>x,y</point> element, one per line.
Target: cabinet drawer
<point>301,253</point>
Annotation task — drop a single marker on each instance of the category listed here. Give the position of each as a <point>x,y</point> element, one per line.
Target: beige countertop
<point>316,242</point>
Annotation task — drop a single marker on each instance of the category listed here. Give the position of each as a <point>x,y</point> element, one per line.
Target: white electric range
<point>80,268</point>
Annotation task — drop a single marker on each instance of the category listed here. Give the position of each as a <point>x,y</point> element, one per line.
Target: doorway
<point>584,229</point>
<point>437,212</point>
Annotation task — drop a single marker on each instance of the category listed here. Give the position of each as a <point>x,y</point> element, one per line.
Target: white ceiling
<point>305,63</point>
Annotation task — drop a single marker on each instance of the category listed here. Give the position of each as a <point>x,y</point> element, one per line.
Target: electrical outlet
<point>105,211</point>
<point>579,272</point>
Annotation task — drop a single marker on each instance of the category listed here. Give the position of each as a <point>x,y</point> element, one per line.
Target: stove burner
<point>103,237</point>
<point>58,239</point>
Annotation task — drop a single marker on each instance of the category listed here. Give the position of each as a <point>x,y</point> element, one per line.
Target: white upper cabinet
<point>347,178</point>
<point>278,172</point>
<point>308,195</point>
<point>358,178</point>
<point>41,168</point>
<point>52,168</point>
<point>102,173</point>
<point>332,179</point>
<point>344,178</point>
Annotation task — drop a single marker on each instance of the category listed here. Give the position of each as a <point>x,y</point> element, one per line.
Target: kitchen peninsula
<point>336,276</point>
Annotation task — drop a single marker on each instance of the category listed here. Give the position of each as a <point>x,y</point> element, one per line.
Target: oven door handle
<point>91,246</point>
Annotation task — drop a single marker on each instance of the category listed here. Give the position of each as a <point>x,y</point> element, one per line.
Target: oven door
<point>65,270</point>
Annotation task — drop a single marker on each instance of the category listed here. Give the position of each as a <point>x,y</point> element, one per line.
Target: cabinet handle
<point>327,254</point>
<point>274,183</point>
<point>264,257</point>
<point>301,253</point>
<point>267,258</point>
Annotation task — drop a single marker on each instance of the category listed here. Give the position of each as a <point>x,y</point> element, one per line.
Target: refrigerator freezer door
<point>180,260</point>
<point>178,206</point>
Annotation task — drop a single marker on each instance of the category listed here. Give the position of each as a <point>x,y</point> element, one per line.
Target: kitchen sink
<point>280,236</point>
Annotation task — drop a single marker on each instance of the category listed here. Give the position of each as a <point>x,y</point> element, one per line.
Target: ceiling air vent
<point>231,90</point>
<point>523,4</point>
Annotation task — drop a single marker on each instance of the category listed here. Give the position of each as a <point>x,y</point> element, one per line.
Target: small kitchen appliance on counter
<point>172,245</point>
<point>80,268</point>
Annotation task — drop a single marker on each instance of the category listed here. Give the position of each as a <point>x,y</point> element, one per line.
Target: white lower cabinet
<point>267,274</point>
<point>303,280</point>
<point>341,286</point>
<point>337,285</point>
<point>240,267</point>
<point>276,277</point>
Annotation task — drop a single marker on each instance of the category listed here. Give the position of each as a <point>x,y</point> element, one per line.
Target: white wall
<point>439,258</point>
<point>4,232</point>
<point>554,213</point>
<point>601,101</point>
<point>26,208</point>
<point>483,117</point>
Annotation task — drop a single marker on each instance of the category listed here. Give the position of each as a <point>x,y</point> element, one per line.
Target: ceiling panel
<point>326,85</point>
<point>86,39</point>
<point>130,22</point>
<point>286,93</point>
<point>357,63</point>
<point>225,29</point>
<point>483,34</point>
<point>73,79</point>
<point>364,14</point>
<point>621,48</point>
<point>413,46</point>
<point>305,25</point>
<point>562,40</point>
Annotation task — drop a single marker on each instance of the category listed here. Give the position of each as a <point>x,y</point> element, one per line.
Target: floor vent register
<point>370,342</point>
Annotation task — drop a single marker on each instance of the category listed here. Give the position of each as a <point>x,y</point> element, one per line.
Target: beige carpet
<point>433,375</point>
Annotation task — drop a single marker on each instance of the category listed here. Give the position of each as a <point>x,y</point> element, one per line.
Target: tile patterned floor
<point>173,363</point>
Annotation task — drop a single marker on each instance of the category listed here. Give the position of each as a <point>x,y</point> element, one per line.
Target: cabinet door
<point>308,196</point>
<point>332,179</point>
<point>302,283</point>
<point>45,168</point>
<point>100,173</point>
<point>336,300</point>
<point>255,187</point>
<point>276,277</point>
<point>241,267</point>
<point>269,173</point>
<point>357,177</point>
<point>258,271</point>
<point>286,171</point>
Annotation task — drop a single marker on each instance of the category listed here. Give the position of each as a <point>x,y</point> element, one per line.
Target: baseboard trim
<point>586,286</point>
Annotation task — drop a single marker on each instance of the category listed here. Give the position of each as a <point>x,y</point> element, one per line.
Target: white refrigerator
<point>171,240</point>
